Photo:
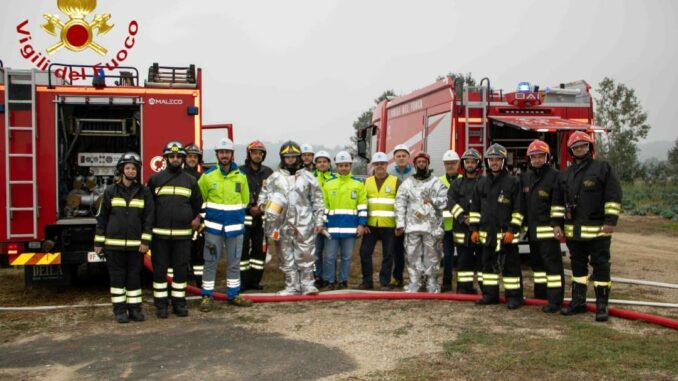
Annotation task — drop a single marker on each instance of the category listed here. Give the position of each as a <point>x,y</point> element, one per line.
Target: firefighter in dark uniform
<point>538,185</point>
<point>498,200</point>
<point>588,199</point>
<point>197,264</point>
<point>253,253</point>
<point>124,224</point>
<point>177,214</point>
<point>459,197</point>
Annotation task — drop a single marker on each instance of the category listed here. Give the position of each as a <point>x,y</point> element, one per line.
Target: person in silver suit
<point>292,201</point>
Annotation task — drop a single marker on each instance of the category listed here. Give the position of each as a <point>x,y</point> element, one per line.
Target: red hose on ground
<point>616,312</point>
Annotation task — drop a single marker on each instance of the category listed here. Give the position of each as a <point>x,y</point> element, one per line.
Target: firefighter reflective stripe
<point>99,238</point>
<point>511,283</point>
<point>580,279</point>
<point>346,212</point>
<point>134,296</point>
<point>517,219</point>
<point>612,208</point>
<point>227,228</point>
<point>121,242</point>
<point>136,203</point>
<point>208,285</point>
<point>607,284</point>
<point>233,283</point>
<point>244,265</point>
<point>458,210</point>
<point>380,213</point>
<point>146,237</point>
<point>178,290</point>
<point>118,295</point>
<point>248,220</point>
<point>342,230</point>
<point>474,218</point>
<point>257,264</point>
<point>198,269</point>
<point>173,191</point>
<point>460,238</point>
<point>173,232</point>
<point>586,232</point>
<point>160,290</point>
<point>553,281</point>
<point>490,279</point>
<point>544,232</point>
<point>480,276</point>
<point>557,211</point>
<point>539,277</point>
<point>170,272</point>
<point>118,202</point>
<point>465,276</point>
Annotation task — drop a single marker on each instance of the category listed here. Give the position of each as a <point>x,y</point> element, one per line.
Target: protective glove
<point>475,236</point>
<point>508,238</point>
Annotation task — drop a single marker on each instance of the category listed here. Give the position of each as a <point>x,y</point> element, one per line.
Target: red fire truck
<point>62,133</point>
<point>450,115</point>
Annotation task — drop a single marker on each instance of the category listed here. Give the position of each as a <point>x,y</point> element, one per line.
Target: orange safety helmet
<point>579,138</point>
<point>256,145</point>
<point>421,154</point>
<point>538,146</point>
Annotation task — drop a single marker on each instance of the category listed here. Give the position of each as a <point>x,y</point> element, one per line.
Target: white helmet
<point>379,157</point>
<point>343,157</point>
<point>307,148</point>
<point>224,144</point>
<point>450,156</point>
<point>401,147</point>
<point>324,154</point>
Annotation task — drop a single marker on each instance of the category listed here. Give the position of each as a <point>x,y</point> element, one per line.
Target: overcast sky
<point>306,69</point>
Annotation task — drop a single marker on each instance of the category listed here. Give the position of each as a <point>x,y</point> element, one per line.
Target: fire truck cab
<point>62,133</point>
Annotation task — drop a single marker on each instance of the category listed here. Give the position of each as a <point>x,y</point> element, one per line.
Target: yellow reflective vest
<point>381,202</point>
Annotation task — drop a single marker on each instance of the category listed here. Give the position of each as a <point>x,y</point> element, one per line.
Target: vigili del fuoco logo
<point>77,34</point>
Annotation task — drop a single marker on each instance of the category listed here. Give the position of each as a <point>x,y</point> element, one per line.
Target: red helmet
<point>422,154</point>
<point>537,147</point>
<point>578,138</point>
<point>258,146</point>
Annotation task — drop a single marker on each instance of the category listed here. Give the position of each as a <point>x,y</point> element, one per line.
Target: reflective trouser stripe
<point>208,285</point>
<point>580,279</point>
<point>545,232</point>
<point>557,211</point>
<point>539,277</point>
<point>257,264</point>
<point>603,284</point>
<point>459,238</point>
<point>554,281</point>
<point>244,265</point>
<point>490,279</point>
<point>512,283</point>
<point>134,296</point>
<point>198,269</point>
<point>160,290</point>
<point>465,276</point>
<point>232,283</point>
<point>474,218</point>
<point>118,295</point>
<point>480,276</point>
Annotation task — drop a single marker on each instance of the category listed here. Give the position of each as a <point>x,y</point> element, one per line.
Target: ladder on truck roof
<point>20,95</point>
<point>476,129</point>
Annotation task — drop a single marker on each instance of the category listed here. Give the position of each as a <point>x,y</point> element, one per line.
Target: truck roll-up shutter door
<point>545,123</point>
<point>98,100</point>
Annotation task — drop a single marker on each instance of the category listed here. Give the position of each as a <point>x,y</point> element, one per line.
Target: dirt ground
<point>341,340</point>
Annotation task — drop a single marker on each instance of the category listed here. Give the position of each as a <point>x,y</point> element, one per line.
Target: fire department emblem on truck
<point>77,33</point>
<point>158,163</point>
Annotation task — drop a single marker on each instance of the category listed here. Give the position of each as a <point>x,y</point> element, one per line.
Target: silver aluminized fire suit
<point>292,226</point>
<point>423,228</point>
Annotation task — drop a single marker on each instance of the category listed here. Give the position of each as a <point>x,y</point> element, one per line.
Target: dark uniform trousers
<point>506,262</point>
<point>597,252</point>
<point>469,262</point>
<point>124,270</point>
<point>546,261</point>
<point>253,256</point>
<point>369,241</point>
<point>175,254</point>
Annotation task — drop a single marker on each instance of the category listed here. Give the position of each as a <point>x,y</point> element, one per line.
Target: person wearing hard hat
<point>307,154</point>
<point>178,203</point>
<point>538,184</point>
<point>381,193</point>
<point>497,200</point>
<point>322,172</point>
<point>346,208</point>
<point>451,163</point>
<point>253,253</point>
<point>226,193</point>
<point>123,230</point>
<point>293,203</point>
<point>459,200</point>
<point>588,203</point>
<point>402,169</point>
<point>419,206</point>
<point>192,167</point>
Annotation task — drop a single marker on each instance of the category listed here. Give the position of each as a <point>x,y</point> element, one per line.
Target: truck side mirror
<point>362,149</point>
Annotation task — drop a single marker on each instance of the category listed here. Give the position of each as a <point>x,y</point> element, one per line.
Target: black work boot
<point>120,312</point>
<point>540,291</point>
<point>578,303</point>
<point>135,313</point>
<point>490,296</point>
<point>179,307</point>
<point>161,305</point>
<point>514,299</point>
<point>446,286</point>
<point>602,297</point>
<point>555,298</point>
